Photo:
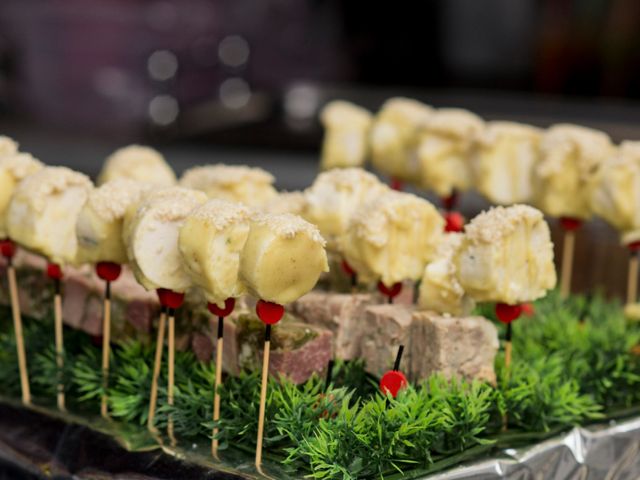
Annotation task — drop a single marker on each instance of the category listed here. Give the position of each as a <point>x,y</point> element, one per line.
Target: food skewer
<point>51,192</point>
<point>8,250</point>
<point>14,167</point>
<point>394,380</point>
<point>281,260</point>
<point>108,272</point>
<point>151,231</point>
<point>157,365</point>
<point>632,278</point>
<point>54,272</point>
<point>269,313</point>
<point>221,313</point>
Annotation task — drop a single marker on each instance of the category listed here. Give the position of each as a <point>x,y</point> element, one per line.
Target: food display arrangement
<point>350,330</point>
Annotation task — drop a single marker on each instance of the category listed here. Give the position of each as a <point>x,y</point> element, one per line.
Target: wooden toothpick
<point>157,364</point>
<point>229,305</point>
<point>632,279</point>
<point>270,314</point>
<point>569,225</point>
<point>54,272</point>
<point>8,251</point>
<point>171,314</point>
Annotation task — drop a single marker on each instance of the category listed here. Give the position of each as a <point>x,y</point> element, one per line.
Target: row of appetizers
<point>565,170</point>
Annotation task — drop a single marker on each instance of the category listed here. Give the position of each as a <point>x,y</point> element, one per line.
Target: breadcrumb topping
<point>112,199</point>
<point>20,165</point>
<point>287,225</point>
<point>287,202</point>
<point>50,181</point>
<point>205,176</point>
<point>221,213</point>
<point>499,222</point>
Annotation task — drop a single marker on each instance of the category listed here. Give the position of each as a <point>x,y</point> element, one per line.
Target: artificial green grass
<point>572,364</point>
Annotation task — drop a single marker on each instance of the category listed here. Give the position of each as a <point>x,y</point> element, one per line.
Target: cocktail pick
<point>394,380</point>
<point>172,301</point>
<point>569,225</point>
<point>396,184</point>
<point>54,272</point>
<point>454,222</point>
<point>390,292</point>
<point>507,314</point>
<point>221,313</point>
<point>269,313</point>
<point>8,250</point>
<point>449,202</point>
<point>353,275</point>
<point>109,272</point>
<point>157,364</point>
<point>327,381</point>
<point>632,279</point>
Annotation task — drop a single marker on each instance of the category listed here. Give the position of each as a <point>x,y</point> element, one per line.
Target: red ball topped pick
<point>54,271</point>
<point>270,313</point>
<point>570,224</point>
<point>634,247</point>
<point>7,248</point>
<point>390,292</point>
<point>108,271</point>
<point>392,382</point>
<point>346,268</point>
<point>229,305</point>
<point>508,313</point>
<point>450,202</point>
<point>396,184</point>
<point>454,222</point>
<point>169,298</point>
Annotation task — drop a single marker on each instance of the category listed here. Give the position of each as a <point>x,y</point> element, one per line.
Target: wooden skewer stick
<point>507,314</point>
<point>106,349</point>
<point>157,364</point>
<point>508,347</point>
<point>632,279</point>
<point>172,351</point>
<point>8,251</point>
<point>109,272</point>
<point>57,312</point>
<point>218,381</point>
<point>569,225</point>
<point>567,263</point>
<point>263,395</point>
<point>270,314</point>
<point>229,305</point>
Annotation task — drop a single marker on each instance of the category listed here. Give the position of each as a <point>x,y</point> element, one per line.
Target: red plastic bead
<point>508,313</point>
<point>169,298</point>
<point>54,271</point>
<point>270,313</point>
<point>569,224</point>
<point>633,246</point>
<point>450,202</point>
<point>346,268</point>
<point>396,184</point>
<point>390,292</point>
<point>454,222</point>
<point>229,305</point>
<point>7,248</point>
<point>393,381</point>
<point>528,309</point>
<point>108,271</point>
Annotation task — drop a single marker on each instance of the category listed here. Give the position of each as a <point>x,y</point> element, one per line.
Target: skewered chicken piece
<point>346,135</point>
<point>211,239</point>
<point>616,195</point>
<point>507,155</point>
<point>445,150</point>
<point>335,196</point>
<point>440,289</point>
<point>100,223</point>
<point>140,163</point>
<point>14,167</point>
<point>396,135</point>
<point>392,237</point>
<point>570,159</point>
<point>251,186</point>
<point>506,256</point>
<point>282,258</point>
<point>44,209</point>
<point>152,238</point>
